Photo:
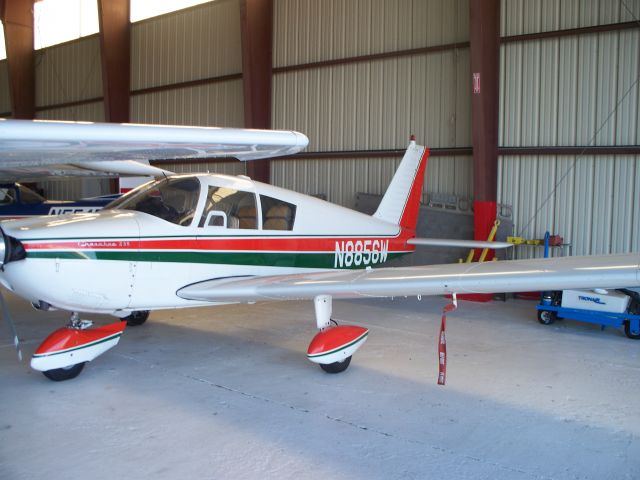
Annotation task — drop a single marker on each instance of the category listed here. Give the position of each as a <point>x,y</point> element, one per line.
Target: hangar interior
<point>358,77</point>
<point>529,106</point>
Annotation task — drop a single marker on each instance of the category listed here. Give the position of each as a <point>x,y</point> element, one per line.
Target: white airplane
<point>194,240</point>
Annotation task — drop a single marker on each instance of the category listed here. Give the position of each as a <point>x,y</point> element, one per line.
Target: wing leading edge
<point>610,271</point>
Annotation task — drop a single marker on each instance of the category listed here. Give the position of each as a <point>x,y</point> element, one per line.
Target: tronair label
<point>360,253</point>
<point>597,300</point>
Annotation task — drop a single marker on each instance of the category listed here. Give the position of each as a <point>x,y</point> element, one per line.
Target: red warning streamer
<point>442,341</point>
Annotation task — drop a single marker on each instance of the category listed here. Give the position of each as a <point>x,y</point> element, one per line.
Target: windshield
<point>171,199</point>
<point>29,196</point>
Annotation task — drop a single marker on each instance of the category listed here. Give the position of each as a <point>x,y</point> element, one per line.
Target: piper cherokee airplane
<point>194,240</point>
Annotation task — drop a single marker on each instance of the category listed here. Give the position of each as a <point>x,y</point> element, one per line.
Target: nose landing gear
<point>62,355</point>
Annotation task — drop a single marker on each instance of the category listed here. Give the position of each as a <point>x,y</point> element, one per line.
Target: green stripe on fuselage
<point>268,259</point>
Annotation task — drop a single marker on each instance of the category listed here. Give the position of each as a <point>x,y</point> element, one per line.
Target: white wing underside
<point>86,170</point>
<point>611,271</point>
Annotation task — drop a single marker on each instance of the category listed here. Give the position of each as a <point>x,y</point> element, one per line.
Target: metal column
<point>256,18</point>
<point>484,33</point>
<point>115,47</point>
<point>17,17</point>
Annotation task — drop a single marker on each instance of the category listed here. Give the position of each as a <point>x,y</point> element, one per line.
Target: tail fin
<point>401,202</point>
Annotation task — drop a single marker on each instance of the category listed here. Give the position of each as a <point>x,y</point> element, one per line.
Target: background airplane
<point>193,240</point>
<point>18,201</point>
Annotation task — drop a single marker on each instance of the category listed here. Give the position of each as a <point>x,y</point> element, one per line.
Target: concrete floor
<point>226,393</point>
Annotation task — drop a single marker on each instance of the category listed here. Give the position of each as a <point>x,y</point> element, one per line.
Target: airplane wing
<point>105,169</point>
<point>611,271</point>
<point>26,143</point>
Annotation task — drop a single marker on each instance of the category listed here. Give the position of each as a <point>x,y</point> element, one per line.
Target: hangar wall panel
<point>377,105</point>
<point>5,94</point>
<point>308,31</point>
<point>89,112</point>
<point>579,90</point>
<point>520,17</point>
<point>341,179</point>
<point>196,43</point>
<point>226,168</point>
<point>215,104</point>
<point>593,202</point>
<point>69,72</point>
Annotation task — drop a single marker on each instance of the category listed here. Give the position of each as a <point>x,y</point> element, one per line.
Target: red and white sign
<point>476,83</point>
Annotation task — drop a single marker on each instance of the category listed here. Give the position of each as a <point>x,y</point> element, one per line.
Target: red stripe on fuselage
<point>302,244</point>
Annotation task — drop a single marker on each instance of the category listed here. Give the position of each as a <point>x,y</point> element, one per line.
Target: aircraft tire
<point>336,367</point>
<point>66,373</point>
<point>547,317</point>
<point>137,318</point>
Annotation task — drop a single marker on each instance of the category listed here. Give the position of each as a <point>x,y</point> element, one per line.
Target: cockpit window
<point>226,207</point>
<point>171,199</point>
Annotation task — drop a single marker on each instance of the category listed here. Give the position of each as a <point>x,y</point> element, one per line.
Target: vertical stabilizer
<point>401,202</point>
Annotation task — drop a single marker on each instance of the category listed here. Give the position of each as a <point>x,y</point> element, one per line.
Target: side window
<point>277,214</point>
<point>229,208</point>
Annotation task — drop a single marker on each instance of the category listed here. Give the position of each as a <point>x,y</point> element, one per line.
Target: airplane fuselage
<point>136,257</point>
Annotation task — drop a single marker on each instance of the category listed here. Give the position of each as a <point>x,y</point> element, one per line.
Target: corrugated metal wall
<point>533,16</point>
<point>215,104</point>
<point>340,179</point>
<point>87,112</point>
<point>571,91</point>
<point>310,30</point>
<point>579,90</point>
<point>69,72</point>
<point>194,44</point>
<point>5,94</point>
<point>226,168</point>
<point>376,104</point>
<point>593,202</point>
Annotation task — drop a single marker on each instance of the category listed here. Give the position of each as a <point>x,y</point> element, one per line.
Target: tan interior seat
<point>247,217</point>
<point>278,218</point>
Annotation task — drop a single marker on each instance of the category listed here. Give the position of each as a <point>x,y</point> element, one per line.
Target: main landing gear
<point>136,318</point>
<point>334,345</point>
<point>62,355</point>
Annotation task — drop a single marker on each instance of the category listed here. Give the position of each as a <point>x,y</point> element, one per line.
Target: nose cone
<point>67,261</point>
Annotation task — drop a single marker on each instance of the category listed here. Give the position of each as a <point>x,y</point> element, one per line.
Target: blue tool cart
<point>614,308</point>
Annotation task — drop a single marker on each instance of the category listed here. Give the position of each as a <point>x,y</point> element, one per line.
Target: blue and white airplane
<point>19,201</point>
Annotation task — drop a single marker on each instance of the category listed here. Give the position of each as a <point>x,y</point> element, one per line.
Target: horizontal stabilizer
<point>451,242</point>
